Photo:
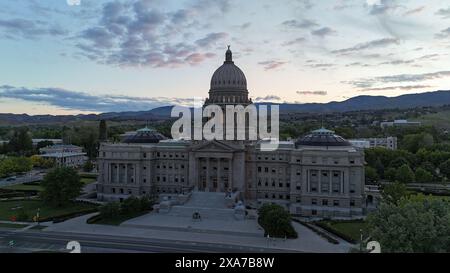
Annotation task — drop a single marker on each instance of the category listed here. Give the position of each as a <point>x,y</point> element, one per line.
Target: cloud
<point>444,13</point>
<point>370,82</point>
<point>380,7</point>
<point>267,98</point>
<point>211,39</point>
<point>342,4</point>
<point>268,65</point>
<point>321,65</point>
<point>322,32</point>
<point>74,100</point>
<point>303,24</point>
<point>414,11</point>
<point>245,25</point>
<point>443,34</point>
<point>401,88</point>
<point>28,29</point>
<point>368,45</point>
<point>312,93</point>
<point>138,33</point>
<point>294,42</point>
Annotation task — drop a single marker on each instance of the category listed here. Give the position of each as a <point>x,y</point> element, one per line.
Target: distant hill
<point>436,98</point>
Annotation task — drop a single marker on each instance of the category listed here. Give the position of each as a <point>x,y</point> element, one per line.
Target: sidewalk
<point>308,241</point>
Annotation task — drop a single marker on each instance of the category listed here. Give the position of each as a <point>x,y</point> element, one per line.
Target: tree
<point>276,221</point>
<point>12,165</point>
<point>423,176</point>
<point>88,166</point>
<point>405,174</point>
<point>21,143</point>
<point>417,224</point>
<point>371,175</point>
<point>390,174</point>
<point>61,185</point>
<point>40,162</point>
<point>131,205</point>
<point>445,168</point>
<point>394,192</point>
<point>103,131</point>
<point>110,210</point>
<point>398,162</point>
<point>43,144</point>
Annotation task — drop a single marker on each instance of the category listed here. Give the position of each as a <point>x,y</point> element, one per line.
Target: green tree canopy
<point>371,175</point>
<point>423,176</point>
<point>61,185</point>
<point>20,142</point>
<point>405,174</point>
<point>445,168</point>
<point>276,221</point>
<point>417,224</point>
<point>394,192</point>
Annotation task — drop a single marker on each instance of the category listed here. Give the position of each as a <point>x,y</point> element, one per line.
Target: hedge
<point>67,216</point>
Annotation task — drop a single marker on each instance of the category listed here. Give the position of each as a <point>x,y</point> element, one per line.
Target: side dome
<point>322,137</point>
<point>228,77</point>
<point>144,135</point>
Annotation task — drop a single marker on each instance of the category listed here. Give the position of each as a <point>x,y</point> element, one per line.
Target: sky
<point>92,56</point>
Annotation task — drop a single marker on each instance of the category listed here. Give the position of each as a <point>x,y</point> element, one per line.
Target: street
<point>32,176</point>
<point>41,241</point>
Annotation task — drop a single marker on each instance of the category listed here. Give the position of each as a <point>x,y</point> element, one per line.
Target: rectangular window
<point>313,201</point>
<point>336,203</point>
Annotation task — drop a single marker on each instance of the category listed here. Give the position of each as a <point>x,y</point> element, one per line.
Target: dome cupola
<point>322,137</point>
<point>228,83</point>
<point>144,135</point>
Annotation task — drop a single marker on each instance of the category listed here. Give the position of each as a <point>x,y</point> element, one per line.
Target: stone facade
<point>319,175</point>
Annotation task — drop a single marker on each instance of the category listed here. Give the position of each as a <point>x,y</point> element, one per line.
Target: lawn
<point>6,225</point>
<point>350,229</point>
<point>24,187</point>
<point>88,180</point>
<point>11,208</point>
<point>116,220</point>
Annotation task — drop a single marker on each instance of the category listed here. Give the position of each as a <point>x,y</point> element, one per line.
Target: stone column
<point>320,182</point>
<point>219,184</point>
<point>137,172</point>
<point>342,183</point>
<point>207,174</point>
<point>126,173</point>
<point>331,181</point>
<point>230,173</point>
<point>118,172</point>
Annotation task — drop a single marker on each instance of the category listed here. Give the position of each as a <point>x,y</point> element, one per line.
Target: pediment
<point>214,146</point>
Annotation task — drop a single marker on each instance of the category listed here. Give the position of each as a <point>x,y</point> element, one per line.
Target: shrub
<point>110,210</point>
<point>276,221</point>
<point>131,205</point>
<point>146,203</point>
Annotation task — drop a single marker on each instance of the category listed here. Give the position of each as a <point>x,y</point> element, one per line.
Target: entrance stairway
<point>210,205</point>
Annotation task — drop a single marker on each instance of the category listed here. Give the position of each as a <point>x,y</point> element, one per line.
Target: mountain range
<point>435,98</point>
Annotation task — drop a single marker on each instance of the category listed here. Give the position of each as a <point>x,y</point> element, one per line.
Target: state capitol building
<point>320,174</point>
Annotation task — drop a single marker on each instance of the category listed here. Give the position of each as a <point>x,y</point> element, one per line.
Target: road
<point>32,176</point>
<point>35,240</point>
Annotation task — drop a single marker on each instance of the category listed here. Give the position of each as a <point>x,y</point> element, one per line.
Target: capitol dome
<point>322,137</point>
<point>228,83</point>
<point>228,76</point>
<point>144,135</point>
